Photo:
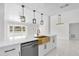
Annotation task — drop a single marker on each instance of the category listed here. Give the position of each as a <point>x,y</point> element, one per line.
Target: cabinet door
<point>42,49</point>
<point>45,48</point>
<point>50,44</point>
<point>12,12</point>
<point>12,50</point>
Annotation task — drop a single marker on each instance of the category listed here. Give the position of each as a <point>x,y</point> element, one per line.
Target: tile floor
<point>66,48</point>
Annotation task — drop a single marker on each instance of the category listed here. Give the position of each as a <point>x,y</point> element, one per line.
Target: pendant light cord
<point>32,9</point>
<point>41,16</point>
<point>34,12</point>
<point>23,9</point>
<point>59,18</point>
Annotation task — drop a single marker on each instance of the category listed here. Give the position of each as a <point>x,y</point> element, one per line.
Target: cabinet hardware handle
<point>45,46</point>
<point>9,50</point>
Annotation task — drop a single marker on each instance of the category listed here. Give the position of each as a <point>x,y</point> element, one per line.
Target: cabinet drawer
<point>12,50</point>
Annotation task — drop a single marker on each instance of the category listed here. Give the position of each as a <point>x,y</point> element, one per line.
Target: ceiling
<point>52,8</point>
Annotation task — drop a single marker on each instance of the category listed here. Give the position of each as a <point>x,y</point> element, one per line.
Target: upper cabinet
<point>12,12</point>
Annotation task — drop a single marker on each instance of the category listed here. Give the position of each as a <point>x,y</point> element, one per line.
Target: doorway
<point>74,31</point>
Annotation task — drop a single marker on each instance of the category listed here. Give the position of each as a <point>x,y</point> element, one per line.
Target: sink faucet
<point>38,31</point>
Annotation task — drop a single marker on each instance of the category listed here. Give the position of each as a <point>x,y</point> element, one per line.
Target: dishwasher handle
<point>33,44</point>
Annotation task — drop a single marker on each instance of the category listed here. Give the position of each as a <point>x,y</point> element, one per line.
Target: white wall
<point>67,17</point>
<point>1,21</point>
<point>13,11</point>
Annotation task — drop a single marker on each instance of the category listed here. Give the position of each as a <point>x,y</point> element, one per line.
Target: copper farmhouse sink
<point>42,39</point>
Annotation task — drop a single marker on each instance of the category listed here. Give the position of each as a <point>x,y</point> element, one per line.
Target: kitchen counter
<point>18,41</point>
<point>51,34</point>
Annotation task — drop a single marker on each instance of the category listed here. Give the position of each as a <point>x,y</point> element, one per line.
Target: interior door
<point>74,31</point>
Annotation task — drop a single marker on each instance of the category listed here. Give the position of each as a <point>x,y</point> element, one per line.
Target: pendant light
<point>59,20</point>
<point>34,19</point>
<point>22,17</point>
<point>41,22</point>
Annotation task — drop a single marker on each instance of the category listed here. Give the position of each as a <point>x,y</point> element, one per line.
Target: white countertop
<point>50,34</point>
<point>18,41</point>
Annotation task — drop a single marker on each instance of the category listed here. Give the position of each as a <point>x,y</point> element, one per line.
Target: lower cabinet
<point>41,50</point>
<point>12,50</point>
<point>44,49</point>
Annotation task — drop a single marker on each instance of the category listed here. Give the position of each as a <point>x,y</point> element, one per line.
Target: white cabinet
<point>12,50</point>
<point>12,12</point>
<point>53,41</point>
<point>41,50</point>
<point>44,49</point>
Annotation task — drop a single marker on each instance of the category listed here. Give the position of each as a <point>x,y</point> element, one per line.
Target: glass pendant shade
<point>41,22</point>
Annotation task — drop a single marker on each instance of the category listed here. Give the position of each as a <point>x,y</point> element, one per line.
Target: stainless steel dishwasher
<point>29,48</point>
